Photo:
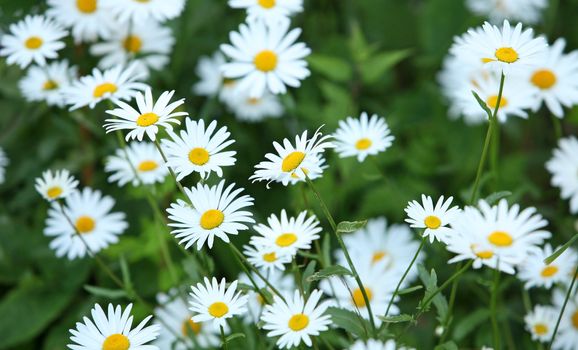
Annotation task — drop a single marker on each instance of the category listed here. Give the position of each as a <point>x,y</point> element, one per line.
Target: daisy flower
<point>149,116</point>
<point>497,235</point>
<point>251,109</point>
<point>362,137</point>
<point>215,211</point>
<point>112,331</point>
<point>212,82</point>
<point>503,49</point>
<point>267,257</point>
<point>535,273</point>
<point>46,83</point>
<point>292,163</point>
<point>176,320</point>
<point>255,303</point>
<point>3,163</point>
<point>567,336</point>
<point>213,302</point>
<point>527,11</point>
<point>288,234</point>
<point>564,166</point>
<point>144,11</point>
<point>144,165</point>
<point>540,322</point>
<point>87,19</point>
<point>556,77</point>
<point>114,84</point>
<point>55,186</point>
<point>296,320</point>
<point>270,11</point>
<point>147,43</point>
<point>89,211</point>
<point>266,58</point>
<point>373,344</point>
<point>434,220</point>
<point>199,149</point>
<point>35,38</point>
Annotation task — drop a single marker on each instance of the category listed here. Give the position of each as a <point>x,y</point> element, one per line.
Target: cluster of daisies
<point>536,74</point>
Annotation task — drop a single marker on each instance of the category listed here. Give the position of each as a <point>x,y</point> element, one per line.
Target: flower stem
<point>446,320</point>
<point>563,308</point>
<point>170,169</point>
<point>345,251</point>
<point>493,309</point>
<point>223,338</point>
<point>446,283</point>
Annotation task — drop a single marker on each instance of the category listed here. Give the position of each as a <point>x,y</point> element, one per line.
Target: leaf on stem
<point>350,226</point>
<point>106,292</point>
<point>483,104</point>
<point>349,321</point>
<point>336,270</point>
<point>561,250</point>
<point>496,196</point>
<point>397,318</point>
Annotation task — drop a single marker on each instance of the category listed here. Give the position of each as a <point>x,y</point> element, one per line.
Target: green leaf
<point>309,270</point>
<point>450,345</point>
<point>374,67</point>
<point>350,226</point>
<point>483,104</point>
<point>396,318</point>
<point>469,323</point>
<point>336,270</point>
<point>560,250</point>
<point>349,321</point>
<point>331,67</point>
<point>409,290</point>
<point>430,281</point>
<point>106,292</point>
<point>234,336</point>
<point>496,196</point>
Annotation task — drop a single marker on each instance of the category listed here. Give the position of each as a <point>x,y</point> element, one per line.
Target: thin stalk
<point>557,126</point>
<point>223,338</point>
<point>248,273</point>
<point>181,188</point>
<point>563,308</point>
<point>447,282</point>
<point>298,276</point>
<point>345,251</point>
<point>493,309</point>
<point>446,321</point>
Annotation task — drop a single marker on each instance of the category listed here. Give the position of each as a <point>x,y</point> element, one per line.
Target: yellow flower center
<point>357,297</point>
<point>147,119</point>
<point>432,222</point>
<point>544,79</point>
<point>265,60</point>
<point>86,6</point>
<point>218,309</point>
<point>104,88</point>
<point>33,42</point>
<point>50,85</point>
<point>116,342</point>
<point>363,144</point>
<point>253,101</point>
<point>484,254</point>
<point>575,319</point>
<point>298,321</point>
<point>85,224</point>
<point>492,101</point>
<point>54,192</point>
<point>142,1</point>
<point>212,218</point>
<point>549,271</point>
<point>292,161</point>
<point>506,54</point>
<point>377,256</point>
<point>286,239</point>
<point>266,3</point>
<point>270,257</point>
<point>132,43</point>
<point>540,329</point>
<point>500,239</point>
<point>199,156</point>
<point>147,165</point>
<point>190,327</point>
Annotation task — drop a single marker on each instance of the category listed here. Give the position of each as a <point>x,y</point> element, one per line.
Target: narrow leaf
<point>560,250</point>
<point>350,226</point>
<point>483,104</point>
<point>105,292</point>
<point>349,321</point>
<point>234,336</point>
<point>409,290</point>
<point>396,318</point>
<point>496,196</point>
<point>336,270</point>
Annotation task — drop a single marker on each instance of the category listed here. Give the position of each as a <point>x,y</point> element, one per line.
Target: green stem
<point>557,126</point>
<point>298,276</point>
<point>248,273</point>
<point>493,309</point>
<point>446,321</point>
<point>446,283</point>
<point>170,169</point>
<point>345,251</point>
<point>563,308</point>
<point>223,338</point>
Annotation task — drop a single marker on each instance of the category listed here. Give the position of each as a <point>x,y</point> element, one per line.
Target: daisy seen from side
<point>535,273</point>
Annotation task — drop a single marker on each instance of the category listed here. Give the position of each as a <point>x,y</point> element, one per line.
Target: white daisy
<point>362,137</point>
<point>288,234</point>
<point>199,149</point>
<point>296,320</point>
<point>140,11</point>
<point>270,11</point>
<point>527,11</point>
<point>267,257</point>
<point>3,163</point>
<point>148,43</point>
<point>89,211</point>
<point>373,344</point>
<point>503,49</point>
<point>55,186</point>
<point>176,320</point>
<point>46,83</point>
<point>87,19</point>
<point>535,273</point>
<point>434,220</point>
<point>251,109</point>
<point>112,331</point>
<point>114,84</point>
<point>567,336</point>
<point>215,211</point>
<point>212,82</point>
<point>556,77</point>
<point>266,58</point>
<point>35,38</point>
<point>143,158</point>
<point>149,116</point>
<point>498,234</point>
<point>256,304</point>
<point>292,163</point>
<point>213,302</point>
<point>540,322</point>
<point>564,166</point>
